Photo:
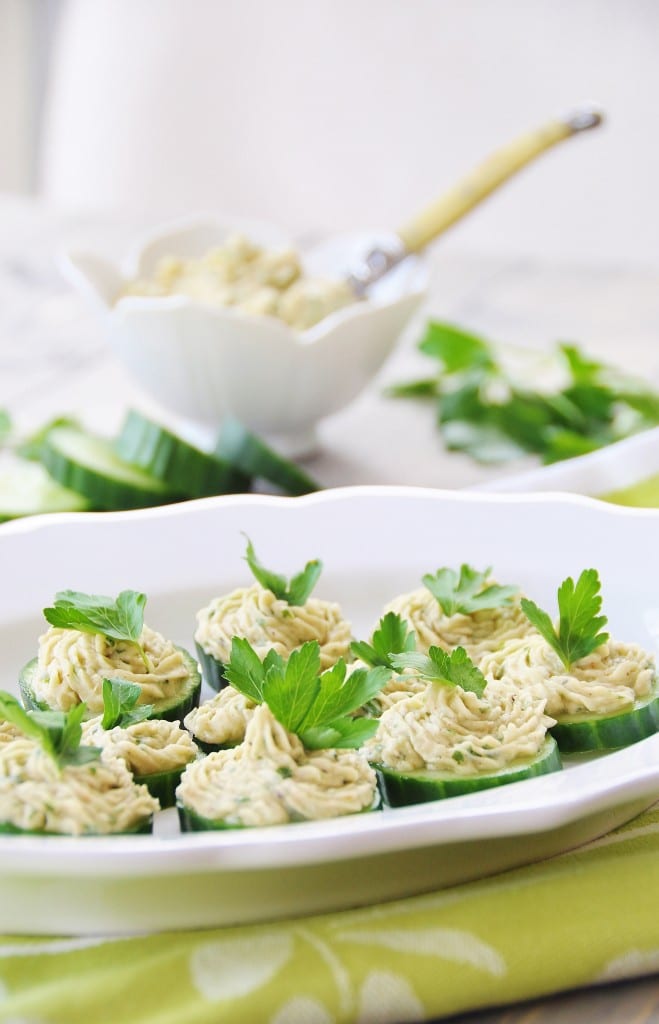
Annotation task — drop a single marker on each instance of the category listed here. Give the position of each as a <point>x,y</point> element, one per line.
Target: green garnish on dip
<point>468,591</point>
<point>295,591</point>
<point>120,708</point>
<point>58,732</point>
<point>447,669</point>
<point>393,636</point>
<point>120,619</point>
<point>580,622</point>
<point>314,705</point>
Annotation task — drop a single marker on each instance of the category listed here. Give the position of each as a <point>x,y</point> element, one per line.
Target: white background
<point>338,113</point>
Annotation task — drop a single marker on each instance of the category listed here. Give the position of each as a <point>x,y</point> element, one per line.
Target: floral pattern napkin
<point>585,917</point>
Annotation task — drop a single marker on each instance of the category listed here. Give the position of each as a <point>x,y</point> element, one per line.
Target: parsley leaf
<point>344,732</point>
<point>290,689</point>
<point>579,623</point>
<point>297,591</point>
<point>495,415</point>
<point>455,348</point>
<point>454,669</point>
<point>314,705</point>
<point>424,387</point>
<point>122,619</point>
<point>58,732</point>
<point>393,636</point>
<point>467,592</point>
<point>120,698</point>
<point>246,671</point>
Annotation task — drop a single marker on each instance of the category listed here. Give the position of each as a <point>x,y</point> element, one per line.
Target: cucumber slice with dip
<point>173,708</point>
<point>402,788</point>
<point>575,733</point>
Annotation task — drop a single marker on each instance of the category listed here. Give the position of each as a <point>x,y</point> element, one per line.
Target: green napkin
<point>577,919</point>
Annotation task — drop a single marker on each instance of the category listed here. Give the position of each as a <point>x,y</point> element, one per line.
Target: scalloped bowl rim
<point>129,267</point>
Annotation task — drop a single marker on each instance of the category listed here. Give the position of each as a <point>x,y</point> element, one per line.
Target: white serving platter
<point>375,542</point>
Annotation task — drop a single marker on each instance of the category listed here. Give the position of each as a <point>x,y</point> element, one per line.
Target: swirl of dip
<point>72,665</point>
<point>479,633</point>
<point>95,798</point>
<point>255,614</point>
<point>447,729</point>
<point>223,719</point>
<point>612,678</point>
<point>271,779</point>
<point>398,687</point>
<point>9,732</point>
<point>147,747</point>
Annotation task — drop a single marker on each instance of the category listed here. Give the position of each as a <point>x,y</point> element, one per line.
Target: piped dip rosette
<point>466,609</point>
<point>460,733</point>
<point>602,692</point>
<point>155,750</point>
<point>299,759</point>
<point>392,636</point>
<point>273,614</point>
<point>92,638</point>
<point>53,784</point>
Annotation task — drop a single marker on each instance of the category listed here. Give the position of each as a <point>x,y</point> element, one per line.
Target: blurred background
<point>333,114</point>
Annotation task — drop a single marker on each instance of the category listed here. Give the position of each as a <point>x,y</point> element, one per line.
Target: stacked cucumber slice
<point>147,464</point>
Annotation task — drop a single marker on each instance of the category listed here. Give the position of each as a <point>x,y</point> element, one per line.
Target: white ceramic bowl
<point>202,362</point>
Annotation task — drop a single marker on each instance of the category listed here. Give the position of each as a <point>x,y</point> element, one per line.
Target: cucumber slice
<point>401,788</point>
<point>173,709</point>
<point>212,669</point>
<point>250,454</point>
<point>190,821</point>
<point>184,468</point>
<point>27,490</point>
<point>90,466</point>
<point>162,785</point>
<point>608,732</point>
<point>143,827</point>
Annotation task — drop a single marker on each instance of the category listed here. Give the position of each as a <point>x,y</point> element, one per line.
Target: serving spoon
<point>467,193</point>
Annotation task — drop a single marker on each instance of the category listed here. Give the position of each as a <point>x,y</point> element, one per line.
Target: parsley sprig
<point>58,732</point>
<point>294,592</point>
<point>120,708</point>
<point>393,636</point>
<point>579,623</point>
<point>468,591</point>
<point>120,619</point>
<point>448,669</point>
<point>315,705</point>
<point>494,414</point>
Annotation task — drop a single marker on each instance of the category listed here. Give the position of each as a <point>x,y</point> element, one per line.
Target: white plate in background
<point>375,542</point>
<point>612,468</point>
